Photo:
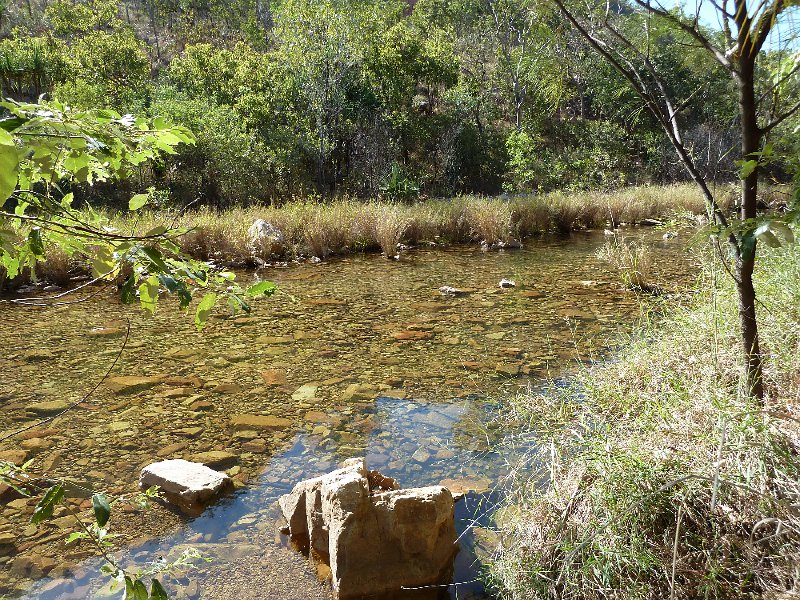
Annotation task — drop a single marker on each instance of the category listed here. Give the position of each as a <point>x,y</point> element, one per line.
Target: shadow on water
<point>430,442</point>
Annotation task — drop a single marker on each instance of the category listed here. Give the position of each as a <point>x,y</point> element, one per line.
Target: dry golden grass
<point>660,479</point>
<point>313,228</point>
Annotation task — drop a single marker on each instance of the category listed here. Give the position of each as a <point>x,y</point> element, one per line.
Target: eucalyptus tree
<point>628,36</point>
<point>322,46</point>
<point>523,39</point>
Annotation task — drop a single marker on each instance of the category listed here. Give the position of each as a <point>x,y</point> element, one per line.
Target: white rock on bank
<point>192,486</point>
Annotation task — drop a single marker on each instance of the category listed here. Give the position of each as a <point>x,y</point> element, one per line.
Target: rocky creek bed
<point>355,357</point>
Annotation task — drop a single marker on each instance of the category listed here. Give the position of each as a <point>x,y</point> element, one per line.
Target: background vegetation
<point>365,98</point>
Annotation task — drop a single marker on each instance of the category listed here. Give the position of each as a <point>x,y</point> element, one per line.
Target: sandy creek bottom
<point>364,357</point>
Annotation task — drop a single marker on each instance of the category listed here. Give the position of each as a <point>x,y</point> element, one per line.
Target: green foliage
<point>301,97</point>
<point>76,17</point>
<point>30,66</point>
<point>44,508</point>
<point>46,147</point>
<point>105,69</point>
<point>398,186</point>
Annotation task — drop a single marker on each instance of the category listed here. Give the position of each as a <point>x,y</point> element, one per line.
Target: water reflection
<point>418,443</point>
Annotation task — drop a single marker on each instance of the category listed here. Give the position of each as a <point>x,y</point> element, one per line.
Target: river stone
<point>409,335</point>
<point>376,542</point>
<point>36,355</point>
<point>305,392</point>
<point>216,458</point>
<point>7,538</point>
<point>359,391</point>
<point>128,384</point>
<point>189,485</point>
<point>106,332</point>
<point>259,422</point>
<point>172,449</point>
<point>274,377</point>
<point>48,408</point>
<point>14,456</point>
<point>459,487</point>
<point>227,388</point>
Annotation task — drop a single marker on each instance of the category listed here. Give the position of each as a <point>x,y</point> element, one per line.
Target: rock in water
<point>189,485</point>
<point>263,238</point>
<point>376,542</point>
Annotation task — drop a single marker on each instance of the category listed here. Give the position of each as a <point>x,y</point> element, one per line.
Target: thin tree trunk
<point>751,140</point>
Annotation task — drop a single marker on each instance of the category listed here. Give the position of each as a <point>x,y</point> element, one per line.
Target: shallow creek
<point>364,356</point>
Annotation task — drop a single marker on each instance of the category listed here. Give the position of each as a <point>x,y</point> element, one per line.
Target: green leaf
<point>169,283</point>
<point>128,588</point>
<point>157,592</point>
<point>139,591</point>
<point>204,309</point>
<point>76,535</point>
<point>746,168</point>
<point>267,288</point>
<point>102,509</point>
<point>768,238</point>
<point>103,262</point>
<point>9,162</point>
<point>127,292</point>
<point>747,245</point>
<point>148,294</point>
<point>159,230</point>
<point>35,242</point>
<point>44,509</point>
<point>6,139</point>
<point>155,258</point>
<point>138,201</point>
<point>238,303</point>
<point>184,295</point>
<point>784,230</point>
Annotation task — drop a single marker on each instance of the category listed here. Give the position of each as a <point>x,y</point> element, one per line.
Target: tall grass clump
<point>489,220</point>
<point>633,262</point>
<point>310,227</point>
<point>388,227</point>
<point>529,216</point>
<point>656,477</point>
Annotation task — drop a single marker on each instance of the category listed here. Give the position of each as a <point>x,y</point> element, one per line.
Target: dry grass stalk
<point>661,479</point>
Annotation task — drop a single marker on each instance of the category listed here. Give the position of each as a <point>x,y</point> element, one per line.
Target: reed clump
<point>656,477</point>
<point>489,220</point>
<point>632,261</point>
<point>310,227</point>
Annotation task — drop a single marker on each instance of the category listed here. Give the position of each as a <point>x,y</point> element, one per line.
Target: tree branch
<point>780,119</point>
<point>692,31</point>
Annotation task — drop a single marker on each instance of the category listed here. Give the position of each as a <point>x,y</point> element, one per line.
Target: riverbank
<point>357,357</point>
<point>660,479</point>
<point>304,229</point>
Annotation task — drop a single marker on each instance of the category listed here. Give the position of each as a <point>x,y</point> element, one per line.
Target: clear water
<point>363,355</point>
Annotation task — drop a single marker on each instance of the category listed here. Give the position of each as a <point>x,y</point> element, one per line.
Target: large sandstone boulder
<point>377,539</point>
<point>189,485</point>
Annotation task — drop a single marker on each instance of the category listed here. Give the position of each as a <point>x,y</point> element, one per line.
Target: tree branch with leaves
<point>624,36</point>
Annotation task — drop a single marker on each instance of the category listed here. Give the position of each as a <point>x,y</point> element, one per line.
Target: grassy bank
<point>342,226</point>
<point>306,229</point>
<point>656,478</point>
